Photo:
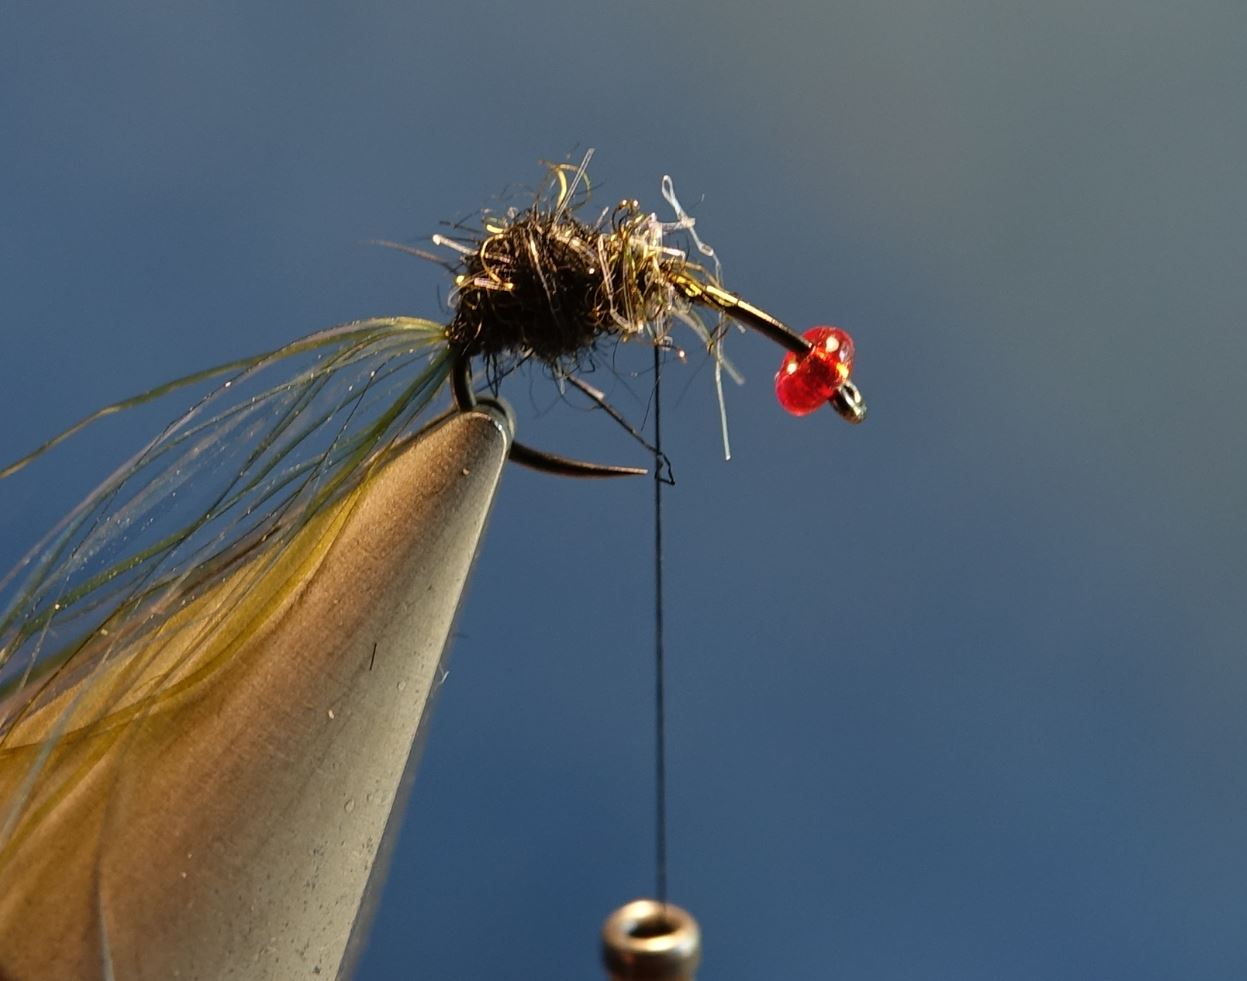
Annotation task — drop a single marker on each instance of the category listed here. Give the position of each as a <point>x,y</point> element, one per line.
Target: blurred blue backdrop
<point>956,694</point>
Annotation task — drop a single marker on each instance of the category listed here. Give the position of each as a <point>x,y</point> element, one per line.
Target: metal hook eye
<point>847,400</point>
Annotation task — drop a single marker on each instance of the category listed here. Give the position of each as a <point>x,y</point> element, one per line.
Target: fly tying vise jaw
<point>816,370</point>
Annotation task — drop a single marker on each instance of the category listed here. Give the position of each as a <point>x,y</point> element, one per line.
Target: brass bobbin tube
<point>649,940</point>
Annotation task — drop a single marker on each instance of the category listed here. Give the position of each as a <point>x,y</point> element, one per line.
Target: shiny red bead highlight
<point>806,382</point>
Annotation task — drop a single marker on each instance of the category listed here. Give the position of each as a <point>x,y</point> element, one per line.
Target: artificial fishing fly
<point>545,285</point>
<point>107,617</point>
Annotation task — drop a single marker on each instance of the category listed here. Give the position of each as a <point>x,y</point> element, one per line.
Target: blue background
<point>956,694</point>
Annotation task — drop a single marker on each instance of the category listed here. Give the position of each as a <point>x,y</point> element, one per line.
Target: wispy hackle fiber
<point>544,284</point>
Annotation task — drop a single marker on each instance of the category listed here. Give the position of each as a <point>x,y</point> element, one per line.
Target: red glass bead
<point>806,382</point>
